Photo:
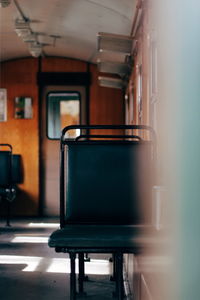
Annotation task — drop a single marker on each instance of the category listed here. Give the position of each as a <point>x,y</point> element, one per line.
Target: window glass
<point>63,109</point>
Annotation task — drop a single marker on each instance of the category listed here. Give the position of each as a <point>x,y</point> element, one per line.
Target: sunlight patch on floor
<point>43,225</point>
<point>95,266</point>
<point>32,262</point>
<point>55,265</point>
<point>30,239</point>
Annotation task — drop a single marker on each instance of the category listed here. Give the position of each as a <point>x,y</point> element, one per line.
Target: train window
<point>63,109</point>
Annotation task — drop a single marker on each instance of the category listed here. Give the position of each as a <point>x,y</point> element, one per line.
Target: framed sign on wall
<point>23,108</point>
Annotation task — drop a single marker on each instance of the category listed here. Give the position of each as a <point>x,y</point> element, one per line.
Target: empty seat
<point>17,170</point>
<point>104,185</point>
<point>10,175</point>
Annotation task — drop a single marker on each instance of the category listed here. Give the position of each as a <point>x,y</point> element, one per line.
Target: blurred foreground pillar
<point>177,25</point>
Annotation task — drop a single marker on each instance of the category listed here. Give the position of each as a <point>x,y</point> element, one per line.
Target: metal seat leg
<point>8,213</point>
<point>119,276</point>
<point>113,260</point>
<point>72,276</point>
<point>81,277</point>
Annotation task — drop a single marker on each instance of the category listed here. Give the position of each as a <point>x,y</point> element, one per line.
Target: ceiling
<point>75,23</point>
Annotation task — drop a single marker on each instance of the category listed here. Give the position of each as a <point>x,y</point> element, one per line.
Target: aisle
<point>31,270</point>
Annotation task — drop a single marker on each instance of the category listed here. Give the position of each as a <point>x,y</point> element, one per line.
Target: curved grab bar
<point>7,145</point>
<point>106,136</point>
<point>88,127</point>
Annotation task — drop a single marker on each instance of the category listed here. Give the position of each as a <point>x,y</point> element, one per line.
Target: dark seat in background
<point>10,175</point>
<point>17,170</point>
<point>104,186</point>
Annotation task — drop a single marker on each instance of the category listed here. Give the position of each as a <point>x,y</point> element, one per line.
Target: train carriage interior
<point>99,149</point>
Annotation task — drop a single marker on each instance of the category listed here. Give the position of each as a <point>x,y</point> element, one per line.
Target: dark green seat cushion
<point>127,237</point>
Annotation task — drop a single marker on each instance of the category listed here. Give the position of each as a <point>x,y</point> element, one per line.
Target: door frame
<point>61,79</point>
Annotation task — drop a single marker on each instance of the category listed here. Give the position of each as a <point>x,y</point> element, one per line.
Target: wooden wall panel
<point>106,104</point>
<point>19,78</point>
<point>56,64</point>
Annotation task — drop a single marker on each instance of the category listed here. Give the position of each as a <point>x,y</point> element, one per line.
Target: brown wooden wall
<point>106,104</point>
<point>19,78</point>
<point>56,64</point>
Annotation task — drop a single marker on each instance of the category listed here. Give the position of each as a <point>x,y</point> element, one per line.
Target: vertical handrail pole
<point>81,271</point>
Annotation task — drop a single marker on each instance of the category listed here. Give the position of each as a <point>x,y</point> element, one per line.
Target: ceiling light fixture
<point>35,49</point>
<point>22,28</point>
<point>114,43</point>
<point>30,38</point>
<point>4,3</point>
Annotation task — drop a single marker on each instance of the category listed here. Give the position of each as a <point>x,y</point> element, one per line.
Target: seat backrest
<point>17,171</point>
<point>11,171</point>
<point>5,168</point>
<point>107,181</point>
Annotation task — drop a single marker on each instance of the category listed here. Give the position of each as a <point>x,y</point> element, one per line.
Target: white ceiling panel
<point>76,22</point>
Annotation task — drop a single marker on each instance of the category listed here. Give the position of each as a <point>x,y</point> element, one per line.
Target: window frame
<point>47,109</point>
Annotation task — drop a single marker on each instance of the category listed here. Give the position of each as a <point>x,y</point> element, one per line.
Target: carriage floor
<point>31,270</point>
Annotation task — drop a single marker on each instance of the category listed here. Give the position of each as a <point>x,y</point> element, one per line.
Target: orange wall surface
<point>19,78</point>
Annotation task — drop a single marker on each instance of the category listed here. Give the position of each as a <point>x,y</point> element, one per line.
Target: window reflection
<point>63,109</point>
